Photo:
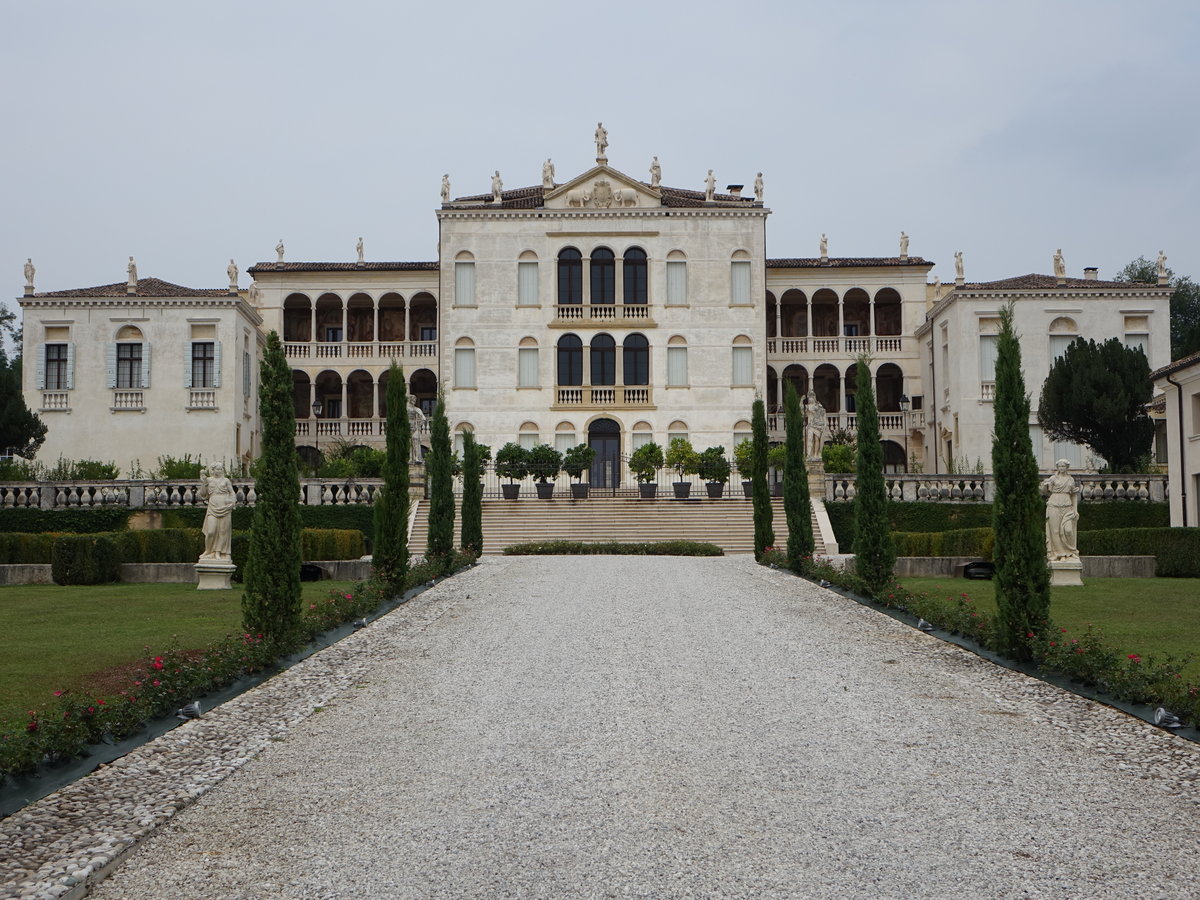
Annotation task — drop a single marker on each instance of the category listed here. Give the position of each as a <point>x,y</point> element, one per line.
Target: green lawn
<point>54,637</point>
<point>1147,616</point>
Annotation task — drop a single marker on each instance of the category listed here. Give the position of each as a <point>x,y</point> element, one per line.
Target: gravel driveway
<point>568,727</point>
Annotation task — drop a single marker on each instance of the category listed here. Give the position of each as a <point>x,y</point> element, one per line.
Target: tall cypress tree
<point>472,497</point>
<point>797,505</point>
<point>874,552</point>
<point>271,602</point>
<point>1018,513</point>
<point>390,557</point>
<point>439,467</point>
<point>764,534</point>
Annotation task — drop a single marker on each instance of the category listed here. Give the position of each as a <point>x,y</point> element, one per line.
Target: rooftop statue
<point>30,271</point>
<point>497,187</point>
<point>548,174</point>
<point>279,251</point>
<point>1162,265</point>
<point>710,186</point>
<point>232,271</point>
<point>958,265</point>
<point>655,173</point>
<point>903,245</point>
<point>131,269</point>
<point>601,142</point>
<point>446,188</point>
<point>824,246</point>
<point>1060,266</point>
<point>758,187</point>
<point>359,248</point>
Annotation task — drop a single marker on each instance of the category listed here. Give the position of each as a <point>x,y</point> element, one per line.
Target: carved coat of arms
<point>602,194</point>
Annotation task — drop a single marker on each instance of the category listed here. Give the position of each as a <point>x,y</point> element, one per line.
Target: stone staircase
<point>728,523</point>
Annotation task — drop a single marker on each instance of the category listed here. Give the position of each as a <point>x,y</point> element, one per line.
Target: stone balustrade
<point>981,488</point>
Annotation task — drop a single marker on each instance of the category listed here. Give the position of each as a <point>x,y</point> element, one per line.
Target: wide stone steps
<point>727,523</point>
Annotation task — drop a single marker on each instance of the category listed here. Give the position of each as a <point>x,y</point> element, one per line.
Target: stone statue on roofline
<point>1060,265</point>
<point>655,173</point>
<point>758,187</point>
<point>232,271</point>
<point>958,266</point>
<point>131,270</point>
<point>710,185</point>
<point>30,271</point>
<point>446,188</point>
<point>903,245</point>
<point>601,142</point>
<point>497,187</point>
<point>279,251</point>
<point>824,246</point>
<point>548,174</point>
<point>359,249</point>
<point>1162,267</point>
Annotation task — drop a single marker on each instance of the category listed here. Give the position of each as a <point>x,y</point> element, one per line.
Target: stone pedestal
<point>1066,573</point>
<point>214,574</point>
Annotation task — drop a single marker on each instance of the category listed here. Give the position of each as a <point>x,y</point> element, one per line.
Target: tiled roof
<point>678,197</point>
<point>1034,282</point>
<point>815,262</point>
<point>266,267</point>
<point>146,287</point>
<point>1175,366</point>
<point>520,198</point>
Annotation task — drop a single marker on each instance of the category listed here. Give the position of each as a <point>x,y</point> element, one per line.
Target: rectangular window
<point>1138,341</point>
<point>527,439</point>
<point>464,367</point>
<point>245,374</point>
<point>677,368</point>
<point>676,283</point>
<point>129,365</point>
<point>464,284</point>
<point>203,364</point>
<point>1072,453</point>
<point>743,366</point>
<point>1058,345</point>
<point>987,356</point>
<point>56,368</point>
<point>564,441</point>
<point>428,332</point>
<point>527,367</point>
<point>527,284</point>
<point>739,274</point>
<point>641,438</point>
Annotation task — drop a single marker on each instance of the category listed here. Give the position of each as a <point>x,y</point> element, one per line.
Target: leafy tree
<point>1096,395</point>
<point>472,496</point>
<point>874,552</point>
<point>764,533</point>
<point>271,602</point>
<point>390,554</point>
<point>1018,513</point>
<point>797,505</point>
<point>20,428</point>
<point>440,543</point>
<point>1185,304</point>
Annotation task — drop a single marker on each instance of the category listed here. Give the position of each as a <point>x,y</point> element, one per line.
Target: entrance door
<point>604,436</point>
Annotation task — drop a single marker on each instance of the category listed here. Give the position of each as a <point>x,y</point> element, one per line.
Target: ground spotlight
<point>923,625</point>
<point>191,711</point>
<point>1166,719</point>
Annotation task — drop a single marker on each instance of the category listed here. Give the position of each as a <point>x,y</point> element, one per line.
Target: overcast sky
<point>186,134</point>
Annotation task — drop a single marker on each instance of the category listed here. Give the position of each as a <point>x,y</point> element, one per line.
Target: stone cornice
<point>718,211</point>
<point>231,301</point>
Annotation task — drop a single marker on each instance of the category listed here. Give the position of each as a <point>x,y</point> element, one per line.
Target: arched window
<point>464,363</point>
<point>636,352</point>
<point>459,432</point>
<point>604,277</point>
<point>570,276</point>
<point>642,434</point>
<point>604,360</point>
<point>1063,330</point>
<point>743,362</point>
<point>527,363</point>
<point>677,363</point>
<point>570,360</point>
<point>527,437</point>
<point>128,360</point>
<point>464,279</point>
<point>676,278</point>
<point>634,273</point>
<point>527,279</point>
<point>677,429</point>
<point>564,436</point>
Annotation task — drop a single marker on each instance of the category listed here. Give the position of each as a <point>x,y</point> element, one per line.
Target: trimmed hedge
<point>359,517</point>
<point>614,548</point>
<point>924,516</point>
<point>330,543</point>
<point>75,521</point>
<point>961,542</point>
<point>1177,550</point>
<point>85,559</point>
<point>159,545</point>
<point>29,549</point>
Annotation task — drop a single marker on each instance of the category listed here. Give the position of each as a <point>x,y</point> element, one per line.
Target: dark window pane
<point>604,276</point>
<point>570,276</point>
<point>634,266</point>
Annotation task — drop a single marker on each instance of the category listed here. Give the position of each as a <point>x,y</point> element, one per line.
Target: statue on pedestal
<point>710,186</point>
<point>1060,265</point>
<point>446,188</point>
<point>217,490</point>
<point>758,187</point>
<point>548,174</point>
<point>655,173</point>
<point>903,245</point>
<point>359,248</point>
<point>131,269</point>
<point>497,187</point>
<point>824,247</point>
<point>1062,514</point>
<point>30,271</point>
<point>958,265</point>
<point>232,271</point>
<point>816,426</point>
<point>1162,267</point>
<point>279,251</point>
<point>416,427</point>
<point>601,142</point>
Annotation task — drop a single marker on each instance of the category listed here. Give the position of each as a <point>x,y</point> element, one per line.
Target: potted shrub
<point>512,462</point>
<point>743,458</point>
<point>544,464</point>
<point>576,461</point>
<point>644,464</point>
<point>684,460</point>
<point>713,467</point>
<point>775,459</point>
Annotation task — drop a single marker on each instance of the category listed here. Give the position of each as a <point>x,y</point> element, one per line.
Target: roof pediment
<point>602,187</point>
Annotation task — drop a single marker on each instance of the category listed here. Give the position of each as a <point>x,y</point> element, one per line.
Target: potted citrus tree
<point>743,458</point>
<point>544,464</point>
<point>713,468</point>
<point>576,461</point>
<point>683,459</point>
<point>512,462</point>
<point>644,463</point>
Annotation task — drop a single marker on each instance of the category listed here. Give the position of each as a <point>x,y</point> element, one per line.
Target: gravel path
<point>681,728</point>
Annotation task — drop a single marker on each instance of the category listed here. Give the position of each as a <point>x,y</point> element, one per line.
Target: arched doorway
<point>604,436</point>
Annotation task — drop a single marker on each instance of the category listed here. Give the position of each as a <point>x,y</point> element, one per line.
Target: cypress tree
<point>472,498</point>
<point>874,552</point>
<point>1018,514</point>
<point>797,505</point>
<point>764,534</point>
<point>439,467</point>
<point>390,558</point>
<point>271,602</point>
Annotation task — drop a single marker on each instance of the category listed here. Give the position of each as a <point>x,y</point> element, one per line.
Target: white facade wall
<point>1180,385</point>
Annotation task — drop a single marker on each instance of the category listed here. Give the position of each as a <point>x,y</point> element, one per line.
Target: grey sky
<point>186,134</point>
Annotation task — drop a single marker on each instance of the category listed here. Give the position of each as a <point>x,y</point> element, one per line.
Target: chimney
<point>735,190</point>
<point>1089,273</point>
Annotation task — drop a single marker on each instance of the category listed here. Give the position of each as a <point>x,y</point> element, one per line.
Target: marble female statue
<point>1162,265</point>
<point>217,491</point>
<point>1060,265</point>
<point>132,270</point>
<point>232,271</point>
<point>958,265</point>
<point>1062,514</point>
<point>30,271</point>
<point>548,174</point>
<point>279,251</point>
<point>824,246</point>
<point>359,249</point>
<point>417,423</point>
<point>446,188</point>
<point>903,245</point>
<point>497,187</point>
<point>655,173</point>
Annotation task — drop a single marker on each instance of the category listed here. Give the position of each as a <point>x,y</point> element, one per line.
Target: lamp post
<point>904,404</point>
<point>318,407</point>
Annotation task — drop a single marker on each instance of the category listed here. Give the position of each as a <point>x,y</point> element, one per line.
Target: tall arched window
<point>604,277</point>
<point>676,278</point>
<point>634,273</point>
<point>743,362</point>
<point>636,351</point>
<point>570,276</point>
<point>570,360</point>
<point>604,359</point>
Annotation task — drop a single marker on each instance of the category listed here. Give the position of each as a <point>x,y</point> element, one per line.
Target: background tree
<point>1018,513</point>
<point>20,428</point>
<point>271,602</point>
<point>764,533</point>
<point>438,466</point>
<point>1185,304</point>
<point>390,555</point>
<point>874,552</point>
<point>472,496</point>
<point>797,505</point>
<point>1096,395</point>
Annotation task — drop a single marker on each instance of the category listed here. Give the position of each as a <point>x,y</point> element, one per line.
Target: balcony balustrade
<point>606,397</point>
<point>129,400</point>
<point>56,401</point>
<point>574,315</point>
<point>360,351</point>
<point>780,347</point>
